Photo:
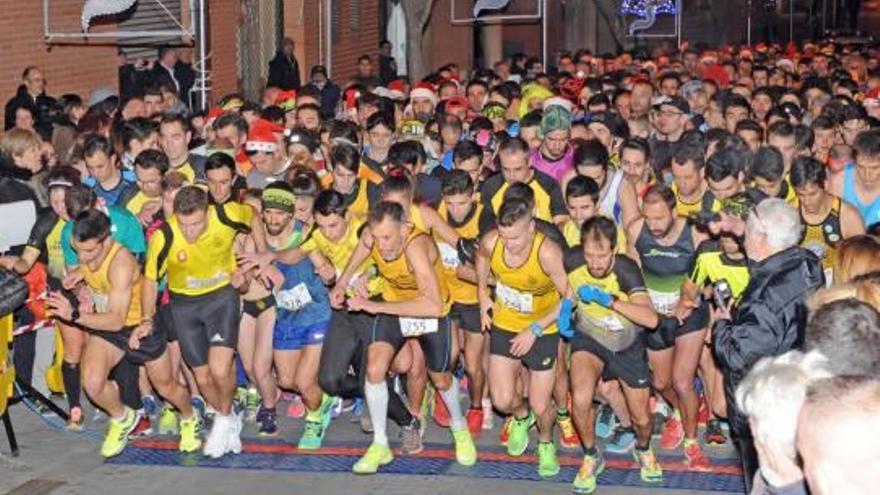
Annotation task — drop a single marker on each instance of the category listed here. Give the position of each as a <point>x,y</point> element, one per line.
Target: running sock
<point>592,451</point>
<point>315,416</point>
<point>562,412</point>
<point>450,397</point>
<point>70,375</point>
<point>377,402</point>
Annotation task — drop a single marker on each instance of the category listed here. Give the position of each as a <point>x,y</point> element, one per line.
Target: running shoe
<point>261,414</point>
<point>144,426</point>
<point>189,434</point>
<point>150,406</point>
<point>198,403</point>
<point>475,421</point>
<point>441,412</point>
<point>168,421</point>
<point>568,437</point>
<point>465,450</point>
<point>118,431</point>
<point>605,422</point>
<point>696,459</point>
<point>518,441</point>
<point>252,403</point>
<point>650,471</point>
<point>377,456</point>
<point>366,423</point>
<point>504,436</point>
<point>548,464</point>
<point>714,434</point>
<point>357,409</point>
<point>234,440</point>
<point>268,422</point>
<point>427,406</point>
<point>296,408</point>
<point>338,408</point>
<point>241,397</point>
<point>660,412</point>
<point>622,440</point>
<point>585,480</point>
<point>316,425</point>
<point>411,438</point>
<point>75,419</point>
<point>217,443</point>
<point>673,433</point>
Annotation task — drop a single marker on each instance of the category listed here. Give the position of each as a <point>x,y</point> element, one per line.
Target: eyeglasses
<point>250,152</point>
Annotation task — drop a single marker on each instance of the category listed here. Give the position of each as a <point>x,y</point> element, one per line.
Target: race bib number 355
<point>413,327</point>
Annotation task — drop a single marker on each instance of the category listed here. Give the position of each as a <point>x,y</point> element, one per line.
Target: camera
<point>722,294</point>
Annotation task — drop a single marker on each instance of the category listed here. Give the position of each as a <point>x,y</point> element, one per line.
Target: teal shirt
<point>124,228</point>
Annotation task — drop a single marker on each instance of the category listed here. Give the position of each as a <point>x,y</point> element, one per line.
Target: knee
<point>165,386</point>
<point>93,383</point>
<point>501,399</point>
<point>539,405</point>
<point>330,383</point>
<point>376,371</point>
<point>203,376</point>
<point>661,383</point>
<point>442,381</point>
<point>683,385</point>
<point>581,400</point>
<point>641,417</point>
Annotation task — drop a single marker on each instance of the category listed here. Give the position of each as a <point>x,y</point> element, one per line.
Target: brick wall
<point>450,42</point>
<point>223,20</point>
<point>354,39</point>
<point>72,68</point>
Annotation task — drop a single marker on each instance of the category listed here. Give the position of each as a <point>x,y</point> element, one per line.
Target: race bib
<point>413,327</point>
<point>664,302</point>
<point>514,299</point>
<point>448,255</point>
<point>101,302</point>
<point>610,323</point>
<point>295,298</point>
<point>204,283</point>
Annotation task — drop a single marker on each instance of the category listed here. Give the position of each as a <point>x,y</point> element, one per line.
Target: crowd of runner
<point>547,247</point>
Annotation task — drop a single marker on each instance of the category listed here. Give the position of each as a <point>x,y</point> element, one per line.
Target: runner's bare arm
<point>360,254</point>
<point>851,222</point>
<point>550,258</point>
<point>638,309</point>
<point>435,223</point>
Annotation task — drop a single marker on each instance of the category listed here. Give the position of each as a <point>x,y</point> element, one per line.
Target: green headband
<point>278,199</point>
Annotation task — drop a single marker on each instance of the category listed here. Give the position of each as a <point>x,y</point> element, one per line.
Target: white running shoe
<point>217,443</point>
<point>233,441</point>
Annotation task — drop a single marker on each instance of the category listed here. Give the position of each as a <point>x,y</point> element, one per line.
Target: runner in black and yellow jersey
<point>461,211</point>
<point>665,243</point>
<point>725,176</point>
<point>346,163</point>
<point>827,218</point>
<point>529,278</point>
<point>196,253</point>
<point>767,174</point>
<point>609,343</point>
<point>513,155</point>
<point>688,184</point>
<point>414,304</point>
<point>112,276</point>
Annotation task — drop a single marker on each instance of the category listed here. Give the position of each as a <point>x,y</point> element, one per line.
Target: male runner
<point>195,251</point>
<point>529,278</point>
<point>414,304</point>
<point>665,243</point>
<point>612,311</point>
<point>120,332</point>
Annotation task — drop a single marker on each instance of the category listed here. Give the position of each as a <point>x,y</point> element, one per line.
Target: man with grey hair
<point>838,436</point>
<point>771,396</point>
<point>771,316</point>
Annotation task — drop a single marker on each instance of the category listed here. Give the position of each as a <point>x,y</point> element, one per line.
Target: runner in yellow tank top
<point>196,253</point>
<point>414,304</point>
<point>462,212</point>
<point>113,276</point>
<point>530,278</point>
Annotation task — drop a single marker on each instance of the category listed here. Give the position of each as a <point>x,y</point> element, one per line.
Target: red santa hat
<point>261,136</point>
<point>213,114</point>
<point>424,91</point>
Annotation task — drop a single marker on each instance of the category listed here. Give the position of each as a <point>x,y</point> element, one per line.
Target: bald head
<point>838,436</point>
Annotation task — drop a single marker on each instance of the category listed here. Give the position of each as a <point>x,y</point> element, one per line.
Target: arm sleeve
<point>557,203</point>
<point>41,229</point>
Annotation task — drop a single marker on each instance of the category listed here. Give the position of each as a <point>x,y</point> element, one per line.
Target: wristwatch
<point>74,315</point>
<point>537,330</point>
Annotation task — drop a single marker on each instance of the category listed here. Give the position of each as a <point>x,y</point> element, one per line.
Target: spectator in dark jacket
<point>31,95</point>
<point>387,64</point>
<point>284,69</point>
<point>163,70</point>
<point>327,91</point>
<point>771,316</point>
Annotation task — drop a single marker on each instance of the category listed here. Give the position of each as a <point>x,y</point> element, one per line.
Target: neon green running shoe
<point>312,437</point>
<point>117,433</point>
<point>465,450</point>
<point>518,440</point>
<point>377,456</point>
<point>591,468</point>
<point>189,433</point>
<point>252,403</point>
<point>168,421</point>
<point>651,471</point>
<point>548,465</point>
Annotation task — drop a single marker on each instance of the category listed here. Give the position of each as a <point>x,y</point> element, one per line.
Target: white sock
<point>450,397</point>
<point>377,402</point>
